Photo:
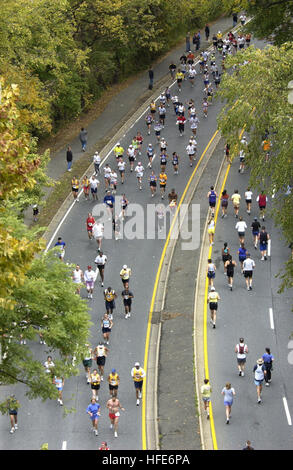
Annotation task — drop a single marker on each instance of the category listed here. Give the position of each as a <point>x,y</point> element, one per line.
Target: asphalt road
<point>245,314</point>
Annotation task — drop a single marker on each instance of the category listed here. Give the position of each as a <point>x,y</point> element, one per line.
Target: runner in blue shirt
<point>268,359</point>
<point>62,245</point>
<point>109,200</point>
<point>94,411</point>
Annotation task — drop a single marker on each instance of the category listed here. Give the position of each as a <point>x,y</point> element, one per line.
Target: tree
<point>37,294</point>
<point>256,96</point>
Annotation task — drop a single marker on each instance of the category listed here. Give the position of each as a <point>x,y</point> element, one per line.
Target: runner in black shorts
<point>127,300</point>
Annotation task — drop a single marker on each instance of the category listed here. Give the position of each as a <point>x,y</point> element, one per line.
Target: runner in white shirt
<point>107,173</point>
<point>89,277</point>
<point>100,261</point>
<point>248,199</point>
<point>113,181</point>
<point>191,152</point>
<point>98,233</point>
<point>131,152</point>
<point>77,277</point>
<point>163,144</point>
<point>150,154</point>
<point>94,182</point>
<point>121,167</point>
<point>193,124</point>
<point>241,227</point>
<point>97,162</point>
<point>248,267</point>
<point>139,169</point>
<point>191,75</point>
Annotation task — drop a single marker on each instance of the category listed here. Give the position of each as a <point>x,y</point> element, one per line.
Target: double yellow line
<point>144,443</point>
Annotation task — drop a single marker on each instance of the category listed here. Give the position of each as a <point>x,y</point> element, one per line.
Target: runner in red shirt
<point>89,225</point>
<point>181,121</point>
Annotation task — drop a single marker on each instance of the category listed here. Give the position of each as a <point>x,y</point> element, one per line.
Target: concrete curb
<point>199,298</point>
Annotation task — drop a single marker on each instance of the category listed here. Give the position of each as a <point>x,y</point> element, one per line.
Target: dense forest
<point>64,53</point>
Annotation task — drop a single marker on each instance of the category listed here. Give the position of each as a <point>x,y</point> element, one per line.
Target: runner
<point>225,254</point>
<point>138,374</point>
<point>49,365</point>
<point>241,227</point>
<point>205,106</point>
<point>86,188</point>
<point>181,122</point>
<point>262,202</point>
<point>213,298</point>
<point>191,150</point>
<point>268,359</point>
<point>259,375</point>
<point>114,382</point>
<point>95,383</point>
<point>127,296</point>
<point>13,405</point>
<point>179,77</point>
<point>121,167</point>
<point>212,196</point>
<point>157,128</point>
<point>77,277</point>
<point>163,145</point>
<point>241,350</point>
<point>90,277</point>
<point>94,183</point>
<point>242,161</point>
<point>59,383</point>
<point>191,75</point>
<point>263,237</point>
<point>242,255</point>
<point>193,120</point>
<point>168,96</point>
<point>98,233</point>
<point>113,406</point>
<point>248,199</point>
<point>150,154</point>
<point>227,153</point>
<point>113,181</point>
<point>175,102</point>
<point>228,393</point>
<point>116,227</point>
<point>235,198</point>
<point>90,221</point>
<point>75,187</point>
<point>107,173</point>
<point>163,161</point>
<point>97,162</point>
<point>175,162</point>
<point>100,354</point>
<point>248,267</point>
<point>211,230</point>
<point>94,411</point>
<point>118,151</point>
<point>109,201</point>
<point>125,274</point>
<point>224,203</point>
<point>229,266</point>
<point>153,183</point>
<point>206,391</point>
<point>211,272</point>
<point>172,69</point>
<point>163,181</point>
<point>131,156</point>
<point>162,114</point>
<point>139,169</point>
<point>110,296</point>
<point>106,326</point>
<point>153,109</point>
<point>87,362</point>
<point>124,204</point>
<point>139,140</point>
<point>101,261</point>
<point>149,121</point>
<point>61,248</point>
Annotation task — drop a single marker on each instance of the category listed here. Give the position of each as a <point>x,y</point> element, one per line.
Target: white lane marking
<point>269,247</point>
<point>64,445</point>
<point>271,318</point>
<point>287,411</point>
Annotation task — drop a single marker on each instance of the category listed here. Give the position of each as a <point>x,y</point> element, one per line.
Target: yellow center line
<point>156,287</point>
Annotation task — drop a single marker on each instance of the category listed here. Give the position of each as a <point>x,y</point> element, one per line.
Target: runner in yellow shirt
<point>179,77</point>
<point>163,181</point>
<point>75,187</point>
<point>206,391</point>
<point>114,381</point>
<point>95,383</point>
<point>118,151</point>
<point>235,198</point>
<point>138,374</point>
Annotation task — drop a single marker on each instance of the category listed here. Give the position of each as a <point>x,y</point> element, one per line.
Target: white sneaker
<point>15,426</point>
<point>12,430</point>
<point>102,378</point>
<point>61,402</point>
<point>111,426</point>
<point>96,432</point>
<point>242,373</point>
<point>137,402</point>
<point>115,434</point>
<point>139,395</point>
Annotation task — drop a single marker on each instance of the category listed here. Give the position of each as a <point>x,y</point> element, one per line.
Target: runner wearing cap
<point>125,274</point>
<point>97,162</point>
<point>259,375</point>
<point>138,374</point>
<point>118,151</point>
<point>114,381</point>
<point>89,278</point>
<point>131,156</point>
<point>213,298</point>
<point>139,169</point>
<point>150,154</point>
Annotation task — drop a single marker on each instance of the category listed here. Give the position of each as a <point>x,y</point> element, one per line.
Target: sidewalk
<point>121,108</point>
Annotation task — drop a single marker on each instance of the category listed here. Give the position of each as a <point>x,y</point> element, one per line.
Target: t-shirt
<point>139,169</point>
<point>94,183</point>
<point>126,294</point>
<point>137,374</point>
<point>248,264</point>
<point>213,296</point>
<point>98,230</point>
<point>236,199</point>
<point>121,166</point>
<point>93,408</point>
<point>241,226</point>
<point>125,273</point>
<point>163,179</point>
<point>101,260</point>
<point>206,391</point>
<point>228,394</point>
<point>248,195</point>
<point>255,226</point>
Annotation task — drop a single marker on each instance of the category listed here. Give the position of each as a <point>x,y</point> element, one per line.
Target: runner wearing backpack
<point>241,350</point>
<point>212,195</point>
<point>259,375</point>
